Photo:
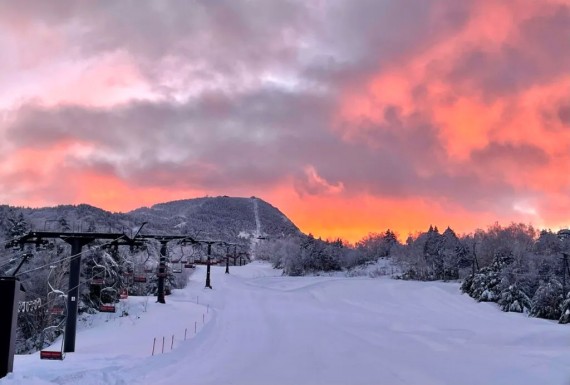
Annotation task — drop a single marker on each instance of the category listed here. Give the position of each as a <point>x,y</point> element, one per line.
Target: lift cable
<point>67,258</point>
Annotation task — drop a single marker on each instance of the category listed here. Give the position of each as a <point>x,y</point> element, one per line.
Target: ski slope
<point>262,328</point>
<point>257,232</point>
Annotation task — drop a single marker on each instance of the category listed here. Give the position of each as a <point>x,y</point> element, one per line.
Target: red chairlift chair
<point>139,278</point>
<point>54,354</point>
<point>108,307</point>
<point>57,310</point>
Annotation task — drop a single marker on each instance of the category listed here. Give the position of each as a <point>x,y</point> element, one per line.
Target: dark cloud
<point>359,39</point>
<point>495,156</point>
<point>219,142</point>
<point>564,115</point>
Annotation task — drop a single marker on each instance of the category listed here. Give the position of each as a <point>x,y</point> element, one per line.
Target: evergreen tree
<point>17,226</point>
<point>547,301</point>
<point>565,311</point>
<point>514,299</point>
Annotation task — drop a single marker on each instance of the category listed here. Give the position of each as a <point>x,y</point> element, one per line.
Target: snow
<point>381,267</point>
<point>262,328</point>
<point>257,232</point>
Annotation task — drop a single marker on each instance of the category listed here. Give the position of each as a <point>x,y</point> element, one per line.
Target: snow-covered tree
<point>17,226</point>
<point>547,301</point>
<point>514,299</point>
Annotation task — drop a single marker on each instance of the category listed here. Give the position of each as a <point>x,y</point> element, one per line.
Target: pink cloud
<point>379,114</point>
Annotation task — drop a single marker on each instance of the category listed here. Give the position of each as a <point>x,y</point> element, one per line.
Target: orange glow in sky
<point>363,119</point>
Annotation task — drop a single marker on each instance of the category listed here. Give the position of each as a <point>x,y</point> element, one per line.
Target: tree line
<point>520,268</point>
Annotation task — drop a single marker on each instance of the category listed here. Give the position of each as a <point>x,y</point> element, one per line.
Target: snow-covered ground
<point>262,328</point>
<point>257,232</point>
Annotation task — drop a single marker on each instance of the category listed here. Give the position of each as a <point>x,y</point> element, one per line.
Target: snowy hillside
<point>209,217</point>
<point>217,218</point>
<point>263,328</point>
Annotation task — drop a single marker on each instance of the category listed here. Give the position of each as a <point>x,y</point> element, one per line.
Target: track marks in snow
<point>257,232</point>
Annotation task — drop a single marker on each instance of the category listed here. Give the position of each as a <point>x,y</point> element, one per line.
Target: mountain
<point>221,218</point>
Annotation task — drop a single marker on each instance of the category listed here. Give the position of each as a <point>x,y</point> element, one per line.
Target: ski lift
<point>128,271</point>
<point>139,278</point>
<point>177,266</point>
<point>128,268</point>
<point>57,303</point>
<point>108,307</point>
<point>98,275</point>
<point>56,299</point>
<point>53,354</point>
<point>187,261</point>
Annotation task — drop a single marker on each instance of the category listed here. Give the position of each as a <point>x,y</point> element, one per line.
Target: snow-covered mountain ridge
<point>220,217</point>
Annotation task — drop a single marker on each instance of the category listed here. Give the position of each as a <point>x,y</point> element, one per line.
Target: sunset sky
<point>351,116</point>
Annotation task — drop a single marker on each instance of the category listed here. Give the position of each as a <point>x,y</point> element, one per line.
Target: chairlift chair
<point>56,299</point>
<point>177,267</point>
<point>57,310</point>
<point>98,275</point>
<point>128,268</point>
<point>188,261</point>
<point>53,354</point>
<point>108,307</point>
<point>139,279</point>
<point>57,303</point>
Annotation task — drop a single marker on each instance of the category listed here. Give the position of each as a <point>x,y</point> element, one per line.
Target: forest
<point>520,268</point>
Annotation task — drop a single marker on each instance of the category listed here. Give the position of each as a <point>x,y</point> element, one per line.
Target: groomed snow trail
<point>268,329</point>
<point>257,232</point>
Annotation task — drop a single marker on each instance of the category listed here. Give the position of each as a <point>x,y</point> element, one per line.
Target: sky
<point>350,116</point>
